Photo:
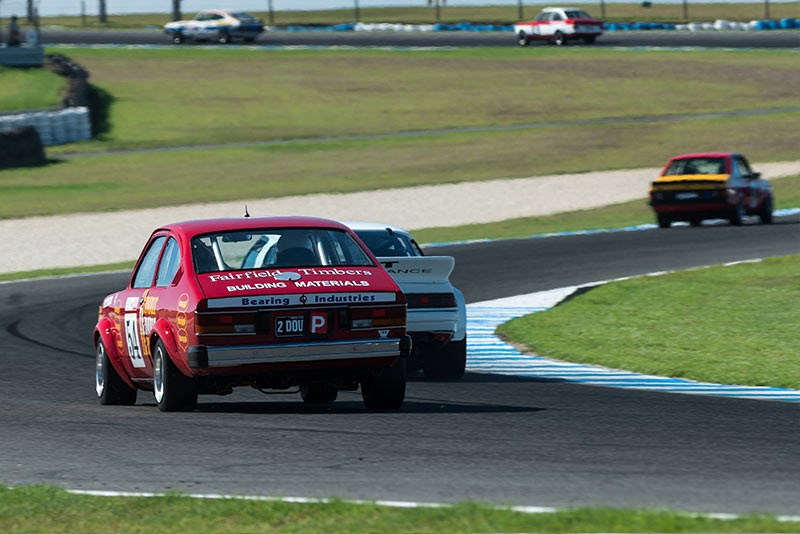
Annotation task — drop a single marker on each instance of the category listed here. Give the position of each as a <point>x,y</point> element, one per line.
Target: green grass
<point>279,94</point>
<point>633,213</point>
<point>23,89</point>
<point>272,95</point>
<point>614,12</point>
<point>730,325</point>
<point>48,509</point>
<point>41,273</point>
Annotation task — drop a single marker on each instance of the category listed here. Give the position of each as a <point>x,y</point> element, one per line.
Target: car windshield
<point>276,248</point>
<point>696,166</point>
<point>388,243</point>
<point>577,14</point>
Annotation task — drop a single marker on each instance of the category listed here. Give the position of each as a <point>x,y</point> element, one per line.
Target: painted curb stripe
<point>486,353</point>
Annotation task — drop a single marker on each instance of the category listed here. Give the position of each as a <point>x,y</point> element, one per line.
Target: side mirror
<point>754,176</point>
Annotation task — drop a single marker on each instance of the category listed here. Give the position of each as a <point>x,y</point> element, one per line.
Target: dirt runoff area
<point>111,237</point>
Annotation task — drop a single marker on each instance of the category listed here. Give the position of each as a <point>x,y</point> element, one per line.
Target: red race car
<point>272,303</point>
<point>714,185</point>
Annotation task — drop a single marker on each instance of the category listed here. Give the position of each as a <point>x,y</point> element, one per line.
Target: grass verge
<point>269,95</point>
<point>23,89</point>
<point>49,509</point>
<point>730,325</point>
<point>633,213</point>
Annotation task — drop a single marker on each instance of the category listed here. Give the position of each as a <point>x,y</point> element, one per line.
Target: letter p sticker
<point>319,323</point>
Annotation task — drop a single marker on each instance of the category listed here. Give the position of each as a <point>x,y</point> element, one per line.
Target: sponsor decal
<point>258,285</point>
<point>147,321</point>
<point>288,276</point>
<point>131,303</point>
<point>319,323</point>
<point>181,320</point>
<point>265,301</point>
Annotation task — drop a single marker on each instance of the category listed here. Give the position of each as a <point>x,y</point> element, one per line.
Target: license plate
<point>293,325</point>
<point>685,196</point>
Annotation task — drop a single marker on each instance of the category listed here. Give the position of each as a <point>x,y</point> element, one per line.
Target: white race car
<point>437,312</point>
<point>215,25</point>
<point>558,25</point>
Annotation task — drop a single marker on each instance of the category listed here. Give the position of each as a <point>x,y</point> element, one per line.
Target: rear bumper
<point>432,320</point>
<point>203,357</point>
<point>705,207</point>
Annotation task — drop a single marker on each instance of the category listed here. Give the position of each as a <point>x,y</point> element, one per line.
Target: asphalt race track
<point>711,39</point>
<point>487,438</point>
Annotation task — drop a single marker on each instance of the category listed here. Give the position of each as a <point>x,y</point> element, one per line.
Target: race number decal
<point>132,336</point>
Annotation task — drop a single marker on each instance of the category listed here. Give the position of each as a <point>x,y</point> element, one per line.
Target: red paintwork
<point>168,313</point>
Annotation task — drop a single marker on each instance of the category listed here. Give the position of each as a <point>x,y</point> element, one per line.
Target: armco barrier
<point>55,127</point>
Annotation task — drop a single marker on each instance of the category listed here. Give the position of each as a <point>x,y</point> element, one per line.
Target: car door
<point>749,182</point>
<point>133,299</point>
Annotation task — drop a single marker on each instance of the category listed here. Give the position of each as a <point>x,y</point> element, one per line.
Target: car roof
<point>705,155</point>
<point>365,225</point>
<point>202,226</point>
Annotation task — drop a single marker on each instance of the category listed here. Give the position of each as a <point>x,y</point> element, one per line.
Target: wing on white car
<point>419,269</point>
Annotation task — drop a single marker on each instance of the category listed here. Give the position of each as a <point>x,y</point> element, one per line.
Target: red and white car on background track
<point>559,25</point>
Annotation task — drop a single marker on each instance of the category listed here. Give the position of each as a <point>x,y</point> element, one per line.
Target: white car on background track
<point>217,26</point>
<point>437,313</point>
<point>559,25</point>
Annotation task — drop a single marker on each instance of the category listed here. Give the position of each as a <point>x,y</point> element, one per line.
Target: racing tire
<point>385,389</point>
<point>110,388</point>
<point>523,39</point>
<point>223,37</point>
<point>249,40</point>
<point>173,391</point>
<point>664,221</point>
<point>765,213</point>
<point>318,393</point>
<point>559,39</point>
<point>177,38</point>
<point>449,364</point>
<point>695,222</point>
<point>737,215</point>
<point>590,39</point>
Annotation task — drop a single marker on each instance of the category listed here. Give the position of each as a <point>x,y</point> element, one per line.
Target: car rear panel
<point>298,315</point>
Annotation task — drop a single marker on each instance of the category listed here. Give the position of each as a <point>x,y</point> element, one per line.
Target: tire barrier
<point>719,25</point>
<point>21,147</point>
<point>55,127</point>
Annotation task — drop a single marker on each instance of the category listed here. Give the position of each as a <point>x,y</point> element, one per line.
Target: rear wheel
<point>174,391</point>
<point>109,386</point>
<point>590,39</point>
<point>223,37</point>
<point>385,389</point>
<point>559,39</point>
<point>737,215</point>
<point>318,393</point>
<point>765,213</point>
<point>663,221</point>
<point>450,362</point>
<point>523,39</point>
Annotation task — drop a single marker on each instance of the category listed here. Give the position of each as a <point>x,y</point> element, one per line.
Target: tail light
<point>225,323</point>
<point>383,317</point>
<point>431,300</point>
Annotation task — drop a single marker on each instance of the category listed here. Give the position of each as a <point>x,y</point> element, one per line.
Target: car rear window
<point>696,166</point>
<point>276,248</point>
